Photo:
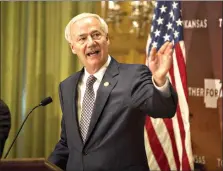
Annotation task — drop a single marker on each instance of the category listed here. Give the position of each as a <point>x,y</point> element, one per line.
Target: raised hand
<point>160,62</point>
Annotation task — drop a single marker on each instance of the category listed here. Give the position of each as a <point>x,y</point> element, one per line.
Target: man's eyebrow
<point>95,31</point>
<point>84,34</point>
<point>81,35</point>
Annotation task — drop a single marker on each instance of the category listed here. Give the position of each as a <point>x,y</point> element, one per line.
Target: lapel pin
<point>106,84</point>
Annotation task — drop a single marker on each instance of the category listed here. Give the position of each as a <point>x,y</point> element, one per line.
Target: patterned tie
<point>87,107</point>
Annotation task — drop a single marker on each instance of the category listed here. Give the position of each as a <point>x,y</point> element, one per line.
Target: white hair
<point>81,16</point>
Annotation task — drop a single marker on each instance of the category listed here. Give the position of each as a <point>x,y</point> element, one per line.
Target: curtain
<point>35,57</point>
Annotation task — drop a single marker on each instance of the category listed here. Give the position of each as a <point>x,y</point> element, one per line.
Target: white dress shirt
<point>82,84</point>
<point>99,75</point>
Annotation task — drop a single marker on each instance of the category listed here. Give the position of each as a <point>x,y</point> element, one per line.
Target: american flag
<point>168,141</point>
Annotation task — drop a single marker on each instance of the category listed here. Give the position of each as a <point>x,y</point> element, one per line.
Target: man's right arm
<point>60,154</point>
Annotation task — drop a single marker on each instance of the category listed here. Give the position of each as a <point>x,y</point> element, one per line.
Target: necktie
<point>87,107</point>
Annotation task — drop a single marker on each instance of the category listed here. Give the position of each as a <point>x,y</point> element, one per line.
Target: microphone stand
<point>44,102</point>
<point>20,130</point>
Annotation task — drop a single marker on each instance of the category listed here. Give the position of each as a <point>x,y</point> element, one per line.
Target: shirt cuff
<point>164,90</point>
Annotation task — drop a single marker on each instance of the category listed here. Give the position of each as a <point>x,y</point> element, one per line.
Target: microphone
<point>44,102</point>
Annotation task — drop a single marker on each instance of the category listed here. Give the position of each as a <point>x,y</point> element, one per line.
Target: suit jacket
<point>115,140</point>
<point>5,125</point>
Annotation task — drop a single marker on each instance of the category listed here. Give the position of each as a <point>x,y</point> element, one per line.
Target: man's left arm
<point>156,101</point>
<point>152,92</point>
<point>160,62</point>
<point>164,89</point>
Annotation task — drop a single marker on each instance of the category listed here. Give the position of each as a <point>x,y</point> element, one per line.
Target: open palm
<point>160,62</point>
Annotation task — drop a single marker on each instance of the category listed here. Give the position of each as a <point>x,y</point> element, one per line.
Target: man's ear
<point>107,38</point>
<point>72,48</point>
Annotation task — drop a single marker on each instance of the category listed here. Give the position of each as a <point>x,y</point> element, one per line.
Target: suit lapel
<point>74,96</point>
<point>107,84</point>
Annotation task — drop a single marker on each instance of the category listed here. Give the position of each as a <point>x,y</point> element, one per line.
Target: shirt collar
<point>100,73</point>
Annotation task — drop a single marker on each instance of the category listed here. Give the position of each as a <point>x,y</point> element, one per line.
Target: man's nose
<point>91,41</point>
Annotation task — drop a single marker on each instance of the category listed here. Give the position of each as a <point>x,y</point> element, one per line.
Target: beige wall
<point>203,42</point>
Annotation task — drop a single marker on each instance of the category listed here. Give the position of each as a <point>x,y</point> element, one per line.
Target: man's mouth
<point>93,53</point>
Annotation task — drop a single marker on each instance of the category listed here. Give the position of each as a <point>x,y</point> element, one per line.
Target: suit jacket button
<point>84,153</point>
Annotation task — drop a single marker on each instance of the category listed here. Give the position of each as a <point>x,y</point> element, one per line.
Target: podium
<point>27,164</point>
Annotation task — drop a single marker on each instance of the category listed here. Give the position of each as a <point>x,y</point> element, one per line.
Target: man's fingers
<point>169,49</point>
<point>163,47</point>
<point>152,54</point>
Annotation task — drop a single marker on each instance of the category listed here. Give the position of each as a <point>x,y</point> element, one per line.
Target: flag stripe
<point>179,119</point>
<point>164,138</point>
<point>169,125</point>
<point>180,78</point>
<point>156,147</point>
<point>182,69</point>
<point>151,158</point>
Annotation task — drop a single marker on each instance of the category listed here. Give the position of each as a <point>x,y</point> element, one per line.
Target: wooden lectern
<point>29,164</point>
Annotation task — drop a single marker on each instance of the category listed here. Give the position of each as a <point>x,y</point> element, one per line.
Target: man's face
<point>90,43</point>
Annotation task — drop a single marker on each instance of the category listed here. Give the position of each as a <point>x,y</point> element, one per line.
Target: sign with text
<point>202,23</point>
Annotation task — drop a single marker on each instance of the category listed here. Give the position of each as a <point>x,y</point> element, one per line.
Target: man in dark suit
<point>5,124</point>
<point>105,104</point>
